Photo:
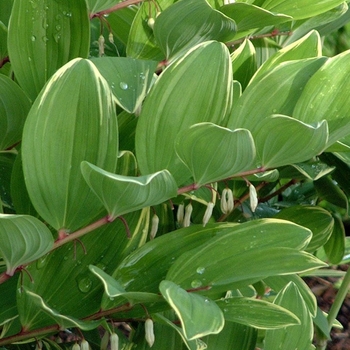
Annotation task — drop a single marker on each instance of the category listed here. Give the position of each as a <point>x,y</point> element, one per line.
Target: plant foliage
<point>169,171</point>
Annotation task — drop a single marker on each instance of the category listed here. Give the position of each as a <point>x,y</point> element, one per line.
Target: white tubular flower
<point>208,213</point>
<point>150,22</point>
<point>154,227</point>
<point>187,217</point>
<point>253,198</point>
<point>110,38</point>
<point>226,203</point>
<point>104,341</point>
<point>149,332</point>
<point>114,339</point>
<point>39,345</point>
<point>101,45</point>
<point>180,214</point>
<point>223,201</point>
<point>76,346</point>
<point>84,345</point>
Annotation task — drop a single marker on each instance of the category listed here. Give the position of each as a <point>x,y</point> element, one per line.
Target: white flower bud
<point>101,45</point>
<point>253,198</point>
<point>150,22</point>
<point>154,227</point>
<point>39,345</point>
<point>114,339</point>
<point>76,346</point>
<point>110,38</point>
<point>149,332</point>
<point>180,213</point>
<point>187,217</point>
<point>84,345</point>
<point>208,213</point>
<point>223,201</point>
<point>227,203</point>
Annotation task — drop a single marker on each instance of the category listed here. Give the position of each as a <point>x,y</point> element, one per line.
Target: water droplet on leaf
<point>41,262</point>
<point>196,283</point>
<point>200,270</point>
<point>123,85</point>
<point>33,38</point>
<point>84,284</point>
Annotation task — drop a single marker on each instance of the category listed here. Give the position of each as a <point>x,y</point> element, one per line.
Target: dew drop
<point>57,37</point>
<point>69,14</point>
<point>123,85</point>
<point>45,38</point>
<point>274,110</point>
<point>113,86</point>
<point>84,284</point>
<point>41,262</point>
<point>33,37</point>
<point>58,27</point>
<point>200,270</point>
<point>58,17</point>
<point>142,76</point>
<point>196,283</point>
<point>225,310</point>
<point>206,300</point>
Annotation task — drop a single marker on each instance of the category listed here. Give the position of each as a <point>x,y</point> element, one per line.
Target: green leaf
<point>63,280</point>
<point>199,316</point>
<point>23,240</point>
<point>249,17</point>
<point>195,344</point>
<point>213,153</point>
<point>133,193</point>
<point>63,321</point>
<point>313,170</point>
<point>205,96</point>
<point>14,107</point>
<point>141,41</point>
<point>3,41</point>
<point>308,46</point>
<point>253,245</point>
<point>299,9</point>
<point>276,148</point>
<point>277,283</point>
<point>129,79</point>
<point>244,63</point>
<point>7,160</point>
<point>171,28</point>
<point>152,261</point>
<point>293,337</point>
<point>234,336</point>
<point>70,125</point>
<point>52,34</point>
<point>316,103</point>
<point>318,220</point>
<point>274,92</point>
<point>330,192</point>
<point>256,313</point>
<point>335,246</point>
<point>113,289</point>
<point>100,5</point>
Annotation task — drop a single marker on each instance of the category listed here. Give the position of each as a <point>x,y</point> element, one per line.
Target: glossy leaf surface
<point>14,107</point>
<point>171,26</point>
<point>275,148</point>
<point>299,9</point>
<point>23,240</point>
<point>129,79</point>
<point>318,220</point>
<point>316,104</point>
<point>261,98</point>
<point>52,34</point>
<point>70,125</point>
<point>133,193</point>
<point>205,96</point>
<point>293,337</point>
<point>256,313</point>
<point>250,17</point>
<point>214,153</point>
<point>199,316</point>
<point>253,245</point>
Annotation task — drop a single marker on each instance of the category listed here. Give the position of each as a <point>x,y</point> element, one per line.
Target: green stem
<point>334,310</point>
